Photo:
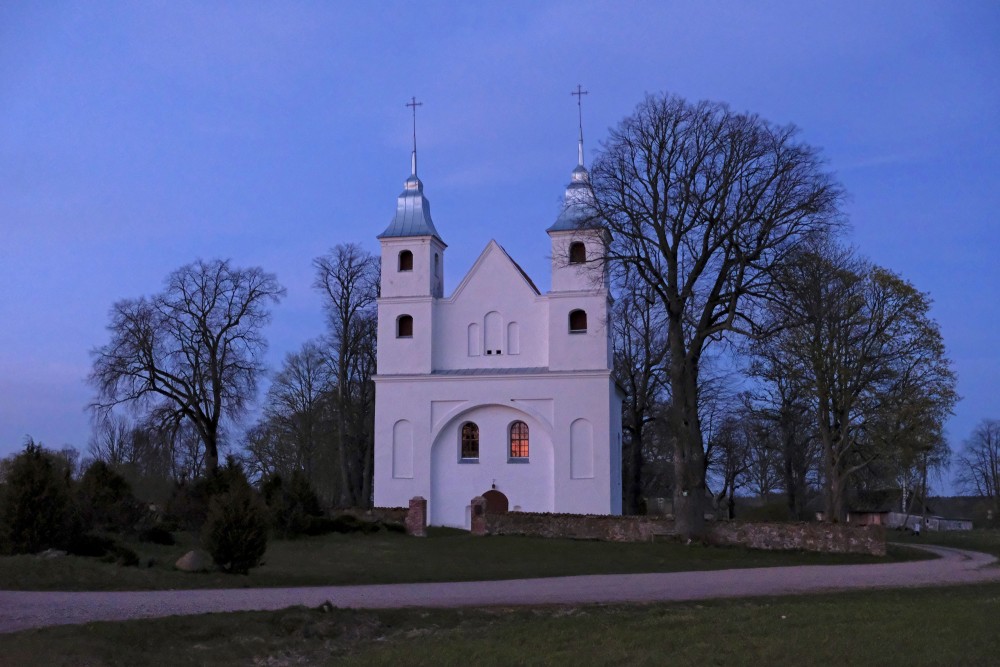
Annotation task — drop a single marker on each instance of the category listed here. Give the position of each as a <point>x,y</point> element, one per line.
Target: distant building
<point>888,509</point>
<point>495,388</point>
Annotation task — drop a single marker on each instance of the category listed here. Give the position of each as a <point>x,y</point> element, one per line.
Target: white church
<point>496,389</point>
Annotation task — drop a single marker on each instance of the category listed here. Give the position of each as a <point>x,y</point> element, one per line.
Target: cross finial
<point>579,93</point>
<point>413,103</point>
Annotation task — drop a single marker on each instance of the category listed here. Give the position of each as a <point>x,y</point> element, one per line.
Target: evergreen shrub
<point>235,531</point>
<point>294,506</point>
<point>36,508</point>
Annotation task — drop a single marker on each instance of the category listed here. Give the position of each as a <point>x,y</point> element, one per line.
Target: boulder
<point>195,561</point>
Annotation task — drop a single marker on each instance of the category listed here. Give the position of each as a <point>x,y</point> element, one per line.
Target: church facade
<point>496,389</point>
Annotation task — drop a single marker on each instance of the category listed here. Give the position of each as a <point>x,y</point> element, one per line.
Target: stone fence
<point>383,514</point>
<point>821,537</point>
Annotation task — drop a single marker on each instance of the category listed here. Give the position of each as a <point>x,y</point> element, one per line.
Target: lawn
<point>384,557</point>
<point>937,626</point>
<point>985,540</point>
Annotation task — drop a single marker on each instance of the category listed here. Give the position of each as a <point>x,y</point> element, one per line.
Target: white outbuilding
<point>495,387</point>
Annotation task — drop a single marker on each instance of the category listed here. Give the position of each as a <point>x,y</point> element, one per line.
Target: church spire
<point>413,103</point>
<point>577,210</point>
<point>413,211</point>
<point>579,93</point>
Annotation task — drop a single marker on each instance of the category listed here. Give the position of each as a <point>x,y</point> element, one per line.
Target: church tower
<point>412,278</point>
<point>578,302</point>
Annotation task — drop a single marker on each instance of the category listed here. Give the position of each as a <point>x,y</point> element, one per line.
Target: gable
<point>494,272</point>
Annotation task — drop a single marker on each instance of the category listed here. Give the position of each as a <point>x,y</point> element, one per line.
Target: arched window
<point>518,440</point>
<point>470,441</point>
<point>437,265</point>
<point>577,253</point>
<point>405,260</point>
<point>404,327</point>
<point>577,321</point>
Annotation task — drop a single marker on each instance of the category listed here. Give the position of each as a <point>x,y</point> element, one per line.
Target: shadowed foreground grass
<point>942,626</point>
<point>446,555</point>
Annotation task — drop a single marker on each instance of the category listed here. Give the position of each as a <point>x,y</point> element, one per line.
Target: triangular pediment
<point>494,269</point>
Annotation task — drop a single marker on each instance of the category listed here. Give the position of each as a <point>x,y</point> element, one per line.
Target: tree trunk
<point>689,452</point>
<point>633,476</point>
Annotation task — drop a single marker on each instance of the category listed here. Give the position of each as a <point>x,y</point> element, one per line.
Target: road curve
<point>20,610</point>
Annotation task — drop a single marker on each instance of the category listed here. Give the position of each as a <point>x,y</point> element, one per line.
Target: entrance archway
<point>496,502</point>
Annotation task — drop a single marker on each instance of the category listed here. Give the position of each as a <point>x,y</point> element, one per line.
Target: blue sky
<point>136,137</point>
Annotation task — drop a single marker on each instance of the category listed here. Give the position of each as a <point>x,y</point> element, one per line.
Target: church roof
<point>413,212</point>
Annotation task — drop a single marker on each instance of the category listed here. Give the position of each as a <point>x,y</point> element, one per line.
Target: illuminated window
<point>406,261</point>
<point>404,327</point>
<point>518,440</point>
<point>577,253</point>
<point>578,321</point>
<point>470,441</point>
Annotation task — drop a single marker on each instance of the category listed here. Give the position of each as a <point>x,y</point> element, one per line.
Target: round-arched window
<point>404,327</point>
<point>405,260</point>
<point>470,441</point>
<point>518,440</point>
<point>578,321</point>
<point>577,253</point>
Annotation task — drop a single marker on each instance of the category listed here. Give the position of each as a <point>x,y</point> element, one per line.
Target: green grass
<point>446,555</point>
<point>936,626</point>
<point>985,540</point>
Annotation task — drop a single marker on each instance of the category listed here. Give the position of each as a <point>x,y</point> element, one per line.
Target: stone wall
<point>823,537</point>
<point>829,538</point>
<point>580,526</point>
<point>383,514</point>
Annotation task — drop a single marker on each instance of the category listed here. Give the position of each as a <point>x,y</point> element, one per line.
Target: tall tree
<point>701,202</point>
<point>297,432</point>
<point>348,278</point>
<point>191,353</point>
<point>979,463</point>
<point>862,340</point>
<point>640,351</point>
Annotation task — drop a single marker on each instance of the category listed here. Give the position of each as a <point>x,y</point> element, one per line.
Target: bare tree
<point>297,431</point>
<point>701,202</point>
<point>979,463</point>
<point>191,353</point>
<point>348,278</point>
<point>640,351</point>
<point>730,459</point>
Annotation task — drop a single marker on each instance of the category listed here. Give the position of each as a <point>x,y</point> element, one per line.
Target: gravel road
<point>20,610</point>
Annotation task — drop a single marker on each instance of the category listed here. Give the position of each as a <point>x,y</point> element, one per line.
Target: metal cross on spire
<point>413,103</point>
<point>579,93</point>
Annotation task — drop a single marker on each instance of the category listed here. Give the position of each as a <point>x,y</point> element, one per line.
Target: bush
<point>106,500</point>
<point>235,531</point>
<point>91,545</point>
<point>189,505</point>
<point>294,507</point>
<point>121,555</point>
<point>157,535</point>
<point>36,510</point>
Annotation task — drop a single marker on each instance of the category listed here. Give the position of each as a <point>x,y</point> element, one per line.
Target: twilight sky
<point>137,137</point>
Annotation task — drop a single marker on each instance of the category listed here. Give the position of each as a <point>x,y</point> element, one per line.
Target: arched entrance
<point>496,502</point>
<point>456,479</point>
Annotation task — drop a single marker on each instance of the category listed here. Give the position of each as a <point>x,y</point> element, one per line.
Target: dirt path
<point>20,610</point>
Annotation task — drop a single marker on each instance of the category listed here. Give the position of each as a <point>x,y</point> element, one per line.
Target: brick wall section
<point>416,517</point>
<point>479,517</point>
<point>830,538</point>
